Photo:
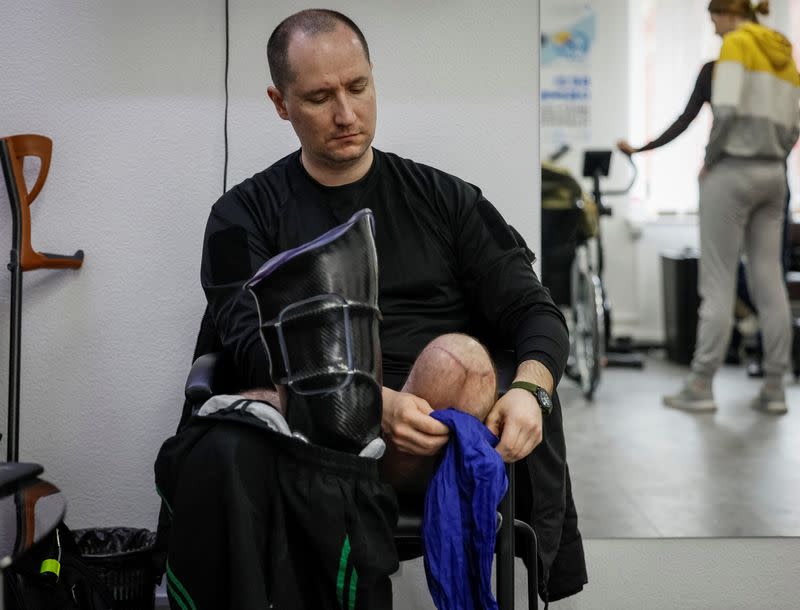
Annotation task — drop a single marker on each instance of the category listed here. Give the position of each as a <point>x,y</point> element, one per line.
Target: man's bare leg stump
<point>453,370</point>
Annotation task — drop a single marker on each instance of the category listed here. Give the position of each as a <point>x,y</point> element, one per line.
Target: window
<point>669,42</point>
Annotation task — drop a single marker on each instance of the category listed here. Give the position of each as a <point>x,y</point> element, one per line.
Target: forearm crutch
<point>13,150</point>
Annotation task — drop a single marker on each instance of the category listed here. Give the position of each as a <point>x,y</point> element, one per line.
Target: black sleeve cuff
<point>543,336</point>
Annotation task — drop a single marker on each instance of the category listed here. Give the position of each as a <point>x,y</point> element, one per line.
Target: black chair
<point>208,374</point>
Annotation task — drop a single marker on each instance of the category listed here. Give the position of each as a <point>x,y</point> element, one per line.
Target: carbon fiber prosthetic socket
<point>318,313</point>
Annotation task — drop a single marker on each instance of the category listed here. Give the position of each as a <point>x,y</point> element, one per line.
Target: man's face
<point>331,101</point>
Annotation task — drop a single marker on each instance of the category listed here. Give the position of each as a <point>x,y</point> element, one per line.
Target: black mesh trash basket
<point>122,557</point>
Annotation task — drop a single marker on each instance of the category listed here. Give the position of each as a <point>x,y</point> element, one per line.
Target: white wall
<point>610,107</point>
<point>457,88</point>
<point>609,122</point>
<point>132,95</point>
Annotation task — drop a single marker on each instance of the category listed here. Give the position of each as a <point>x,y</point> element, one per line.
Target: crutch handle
<point>15,149</point>
<point>46,260</point>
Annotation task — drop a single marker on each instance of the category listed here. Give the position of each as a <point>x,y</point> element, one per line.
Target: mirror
<point>610,70</point>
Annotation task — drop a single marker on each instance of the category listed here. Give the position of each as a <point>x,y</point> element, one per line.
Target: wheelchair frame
<point>588,321</point>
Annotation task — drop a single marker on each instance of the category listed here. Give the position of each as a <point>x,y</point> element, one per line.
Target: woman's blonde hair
<point>742,8</point>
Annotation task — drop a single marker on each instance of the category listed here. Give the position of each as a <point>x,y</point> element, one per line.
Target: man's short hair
<point>310,21</point>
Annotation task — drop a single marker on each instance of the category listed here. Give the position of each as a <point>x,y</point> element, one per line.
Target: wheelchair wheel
<point>587,336</point>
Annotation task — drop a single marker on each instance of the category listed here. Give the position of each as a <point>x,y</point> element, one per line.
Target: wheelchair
<point>569,270</point>
<point>572,265</point>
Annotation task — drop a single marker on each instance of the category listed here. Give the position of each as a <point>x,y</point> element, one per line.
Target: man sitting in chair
<point>450,269</point>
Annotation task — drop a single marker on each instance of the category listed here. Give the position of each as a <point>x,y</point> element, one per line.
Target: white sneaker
<point>695,396</point>
<point>770,400</point>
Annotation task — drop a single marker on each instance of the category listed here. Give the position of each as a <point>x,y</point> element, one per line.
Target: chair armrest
<point>202,379</point>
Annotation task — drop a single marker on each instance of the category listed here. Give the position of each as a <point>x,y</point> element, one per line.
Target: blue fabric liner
<point>460,518</point>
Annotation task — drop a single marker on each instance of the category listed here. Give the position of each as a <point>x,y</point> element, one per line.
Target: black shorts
<point>261,520</point>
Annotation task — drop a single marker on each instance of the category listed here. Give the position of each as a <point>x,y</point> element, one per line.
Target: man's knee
<point>455,370</point>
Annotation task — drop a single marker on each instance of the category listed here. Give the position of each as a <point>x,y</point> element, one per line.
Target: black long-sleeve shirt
<point>447,262</point>
<point>700,95</point>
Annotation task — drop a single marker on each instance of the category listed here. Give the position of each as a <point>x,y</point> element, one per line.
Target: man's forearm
<point>542,337</point>
<point>534,371</point>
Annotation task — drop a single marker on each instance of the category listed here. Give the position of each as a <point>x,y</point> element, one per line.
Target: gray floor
<point>642,470</point>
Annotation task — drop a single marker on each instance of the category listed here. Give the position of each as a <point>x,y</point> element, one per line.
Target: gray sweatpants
<point>741,210</point>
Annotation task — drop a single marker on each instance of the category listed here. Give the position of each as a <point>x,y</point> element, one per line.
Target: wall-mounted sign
<point>568,35</point>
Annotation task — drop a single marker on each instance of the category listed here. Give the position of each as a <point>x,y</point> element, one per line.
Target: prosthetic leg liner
<point>318,309</point>
<point>459,522</point>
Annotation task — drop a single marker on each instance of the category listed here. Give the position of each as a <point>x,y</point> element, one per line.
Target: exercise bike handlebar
<point>626,189</point>
<point>599,172</point>
<point>602,208</point>
<point>557,154</point>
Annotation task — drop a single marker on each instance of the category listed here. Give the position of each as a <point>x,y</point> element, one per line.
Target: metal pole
<point>12,441</point>
<point>14,266</point>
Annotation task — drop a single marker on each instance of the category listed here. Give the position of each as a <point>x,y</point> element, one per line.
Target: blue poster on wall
<point>568,35</point>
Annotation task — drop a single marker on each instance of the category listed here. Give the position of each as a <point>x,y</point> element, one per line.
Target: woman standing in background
<point>754,99</point>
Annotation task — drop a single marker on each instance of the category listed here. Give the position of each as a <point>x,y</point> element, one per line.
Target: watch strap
<point>539,393</point>
<point>525,385</point>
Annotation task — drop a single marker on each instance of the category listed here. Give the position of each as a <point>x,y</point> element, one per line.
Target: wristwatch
<point>541,395</point>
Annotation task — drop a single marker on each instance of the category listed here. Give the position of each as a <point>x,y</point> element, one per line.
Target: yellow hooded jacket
<point>755,96</point>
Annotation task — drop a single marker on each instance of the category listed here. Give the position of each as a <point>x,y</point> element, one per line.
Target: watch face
<point>544,400</point>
